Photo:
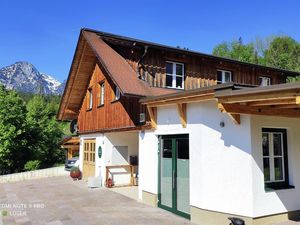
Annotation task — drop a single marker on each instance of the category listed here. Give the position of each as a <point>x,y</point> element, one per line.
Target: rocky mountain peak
<point>24,77</point>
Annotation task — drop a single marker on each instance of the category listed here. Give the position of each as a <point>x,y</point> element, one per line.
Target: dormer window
<point>264,81</point>
<point>174,75</point>
<point>224,76</point>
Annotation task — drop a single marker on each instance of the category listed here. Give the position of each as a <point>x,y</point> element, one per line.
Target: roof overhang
<point>194,95</point>
<point>277,100</point>
<point>70,142</point>
<point>282,100</point>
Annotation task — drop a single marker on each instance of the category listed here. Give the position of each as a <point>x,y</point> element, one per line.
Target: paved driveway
<point>59,200</point>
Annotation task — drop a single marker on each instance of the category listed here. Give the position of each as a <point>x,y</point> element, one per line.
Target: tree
<point>13,130</point>
<point>237,50</point>
<point>45,132</point>
<point>280,52</point>
<point>284,53</point>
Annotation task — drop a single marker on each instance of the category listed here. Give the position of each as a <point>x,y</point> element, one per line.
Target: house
<point>71,146</point>
<point>214,137</point>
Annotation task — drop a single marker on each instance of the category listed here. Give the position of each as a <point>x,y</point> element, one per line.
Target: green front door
<point>173,185</point>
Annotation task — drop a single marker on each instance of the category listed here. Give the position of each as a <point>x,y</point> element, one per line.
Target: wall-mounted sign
<point>100,152</point>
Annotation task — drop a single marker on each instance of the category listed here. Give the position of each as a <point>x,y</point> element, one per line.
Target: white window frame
<point>117,94</point>
<point>264,81</point>
<point>223,76</point>
<point>174,75</point>
<point>271,157</point>
<point>90,99</point>
<point>102,93</point>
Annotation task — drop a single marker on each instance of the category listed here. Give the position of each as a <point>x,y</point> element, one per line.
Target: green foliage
<point>44,131</point>
<point>237,50</point>
<point>13,130</point>
<point>28,131</point>
<point>284,53</point>
<point>281,52</point>
<point>32,165</point>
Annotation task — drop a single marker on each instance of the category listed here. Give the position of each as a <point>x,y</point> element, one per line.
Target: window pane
<point>266,169</point>
<point>261,81</point>
<point>102,95</point>
<point>227,77</point>
<point>265,144</point>
<point>219,76</point>
<point>167,148</point>
<point>277,137</point>
<point>179,82</point>
<point>117,93</point>
<point>278,168</point>
<point>91,100</point>
<point>179,69</point>
<point>183,148</point>
<point>169,68</point>
<point>169,80</point>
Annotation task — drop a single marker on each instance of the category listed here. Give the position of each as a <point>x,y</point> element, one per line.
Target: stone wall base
<point>149,198</point>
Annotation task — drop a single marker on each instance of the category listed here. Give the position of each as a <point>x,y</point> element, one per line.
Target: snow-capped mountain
<point>24,77</point>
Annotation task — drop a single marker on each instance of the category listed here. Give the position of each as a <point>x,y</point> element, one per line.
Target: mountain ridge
<point>23,76</point>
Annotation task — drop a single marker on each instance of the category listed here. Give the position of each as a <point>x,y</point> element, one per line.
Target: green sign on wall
<point>100,152</point>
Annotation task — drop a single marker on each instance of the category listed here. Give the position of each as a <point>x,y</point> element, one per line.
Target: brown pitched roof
<point>91,49</point>
<point>119,38</point>
<point>116,67</point>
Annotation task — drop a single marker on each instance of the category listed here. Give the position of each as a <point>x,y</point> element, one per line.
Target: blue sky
<point>45,33</point>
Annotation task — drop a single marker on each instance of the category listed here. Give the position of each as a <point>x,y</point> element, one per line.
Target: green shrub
<point>32,165</point>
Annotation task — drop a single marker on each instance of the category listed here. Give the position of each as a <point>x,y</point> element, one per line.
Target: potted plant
<point>75,173</point>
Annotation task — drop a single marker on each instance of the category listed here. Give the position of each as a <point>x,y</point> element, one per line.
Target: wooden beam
<point>73,80</point>
<point>259,97</point>
<point>236,118</point>
<point>69,146</point>
<point>267,111</point>
<point>181,109</point>
<point>293,100</point>
<point>182,100</point>
<point>297,99</point>
<point>153,116</point>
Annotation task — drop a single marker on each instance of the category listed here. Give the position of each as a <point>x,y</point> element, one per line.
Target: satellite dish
<point>73,126</point>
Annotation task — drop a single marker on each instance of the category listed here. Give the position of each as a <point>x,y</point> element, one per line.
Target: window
<point>117,94</point>
<point>102,93</point>
<point>275,161</point>
<point>174,75</point>
<point>90,99</point>
<point>223,76</point>
<point>264,81</point>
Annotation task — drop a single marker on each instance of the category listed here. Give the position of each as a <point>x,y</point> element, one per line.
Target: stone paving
<point>59,200</point>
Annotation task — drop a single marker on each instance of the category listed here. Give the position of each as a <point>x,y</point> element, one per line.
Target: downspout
<point>138,62</point>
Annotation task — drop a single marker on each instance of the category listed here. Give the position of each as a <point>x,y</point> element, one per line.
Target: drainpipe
<point>138,62</point>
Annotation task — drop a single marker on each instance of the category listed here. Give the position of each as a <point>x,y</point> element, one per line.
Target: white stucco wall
<point>107,142</point>
<point>130,139</point>
<point>220,160</point>
<point>220,157</point>
<point>278,201</point>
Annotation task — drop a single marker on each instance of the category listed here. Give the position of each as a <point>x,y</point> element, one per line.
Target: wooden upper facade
<point>107,65</point>
<point>103,111</point>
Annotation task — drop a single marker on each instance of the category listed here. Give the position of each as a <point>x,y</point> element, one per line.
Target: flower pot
<point>75,173</point>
